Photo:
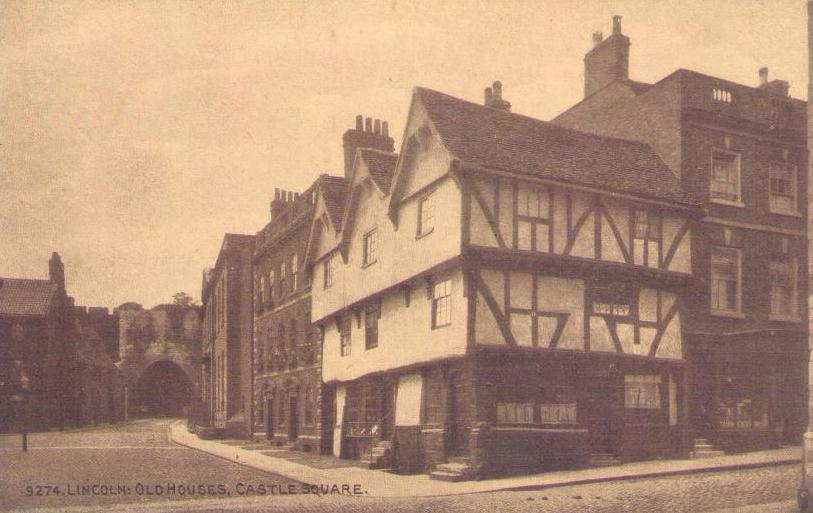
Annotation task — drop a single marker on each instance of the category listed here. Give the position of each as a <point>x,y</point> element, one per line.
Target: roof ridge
<point>27,279</point>
<point>382,152</point>
<point>537,120</point>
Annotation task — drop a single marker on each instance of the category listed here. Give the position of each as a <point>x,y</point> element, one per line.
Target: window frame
<point>738,202</point>
<point>794,211</point>
<point>440,300</point>
<point>372,313</point>
<point>370,248</point>
<point>345,336</point>
<point>524,216</point>
<point>427,200</point>
<point>715,310</point>
<point>652,238</point>
<point>328,272</point>
<point>793,315</point>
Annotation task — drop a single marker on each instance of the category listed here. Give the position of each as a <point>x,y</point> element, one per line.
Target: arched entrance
<point>162,390</point>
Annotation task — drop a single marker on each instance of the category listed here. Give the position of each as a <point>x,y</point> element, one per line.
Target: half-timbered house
<point>503,296</point>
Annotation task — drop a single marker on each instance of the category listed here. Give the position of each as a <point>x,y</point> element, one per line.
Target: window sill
<point>370,348</point>
<point>784,318</point>
<point>424,234</point>
<point>730,315</point>
<point>368,264</point>
<point>441,326</point>
<point>786,213</point>
<point>728,203</point>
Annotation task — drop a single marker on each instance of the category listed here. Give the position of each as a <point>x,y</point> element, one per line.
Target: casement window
<point>725,176</point>
<point>282,275</point>
<point>426,214</point>
<point>270,286</point>
<point>263,291</point>
<point>642,392</point>
<point>294,271</point>
<point>647,238</point>
<point>783,188</point>
<point>783,288</point>
<point>515,413</point>
<point>329,270</point>
<point>372,312</point>
<point>345,340</point>
<point>370,247</point>
<point>615,299</point>
<point>533,211</point>
<point>442,304</point>
<point>726,277</point>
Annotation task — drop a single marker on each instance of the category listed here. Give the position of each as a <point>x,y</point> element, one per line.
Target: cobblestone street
<point>139,453</point>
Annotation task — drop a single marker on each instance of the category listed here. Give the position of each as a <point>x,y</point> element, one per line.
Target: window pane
<point>725,279</point>
<point>725,176</point>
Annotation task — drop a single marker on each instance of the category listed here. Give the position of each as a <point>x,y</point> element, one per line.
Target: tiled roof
<point>381,165</point>
<point>334,190</point>
<point>502,140</point>
<point>26,297</point>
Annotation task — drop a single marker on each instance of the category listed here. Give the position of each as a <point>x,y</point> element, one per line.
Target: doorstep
<point>378,483</point>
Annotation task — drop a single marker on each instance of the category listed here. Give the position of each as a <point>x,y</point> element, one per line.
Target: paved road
<point>139,453</point>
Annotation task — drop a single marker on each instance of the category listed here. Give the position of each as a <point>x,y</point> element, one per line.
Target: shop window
<point>372,312</point>
<point>783,288</point>
<point>642,392</point>
<point>614,299</point>
<point>744,397</point>
<point>533,210</point>
<point>783,188</point>
<point>646,243</point>
<point>345,334</point>
<point>725,280</point>
<point>725,176</point>
<point>442,304</point>
<point>557,413</point>
<point>515,413</point>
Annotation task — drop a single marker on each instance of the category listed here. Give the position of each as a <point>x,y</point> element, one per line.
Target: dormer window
<point>721,95</point>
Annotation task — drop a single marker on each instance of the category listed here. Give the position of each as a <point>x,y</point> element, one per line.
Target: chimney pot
<point>488,96</point>
<point>598,37</point>
<point>763,75</point>
<point>368,125</point>
<point>359,122</point>
<point>377,128</point>
<point>616,24</point>
<point>385,129</point>
<point>497,88</point>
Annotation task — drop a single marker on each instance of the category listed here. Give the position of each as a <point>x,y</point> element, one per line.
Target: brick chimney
<point>493,97</point>
<point>774,87</point>
<point>608,60</point>
<point>366,134</point>
<point>56,270</point>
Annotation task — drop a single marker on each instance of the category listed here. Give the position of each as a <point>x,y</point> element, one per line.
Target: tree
<point>183,299</point>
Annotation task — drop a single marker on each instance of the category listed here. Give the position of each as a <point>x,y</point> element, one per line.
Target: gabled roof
<point>381,165</point>
<point>334,190</point>
<point>498,139</point>
<point>26,297</point>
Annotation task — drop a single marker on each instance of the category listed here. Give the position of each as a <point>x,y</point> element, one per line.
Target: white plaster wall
<point>341,396</point>
<point>408,400</point>
<point>405,335</point>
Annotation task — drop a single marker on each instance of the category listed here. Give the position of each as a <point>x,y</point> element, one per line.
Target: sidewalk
<point>326,470</point>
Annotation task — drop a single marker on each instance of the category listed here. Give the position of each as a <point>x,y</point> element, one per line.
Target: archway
<point>162,390</point>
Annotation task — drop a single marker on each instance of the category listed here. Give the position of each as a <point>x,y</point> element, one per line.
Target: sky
<point>134,134</point>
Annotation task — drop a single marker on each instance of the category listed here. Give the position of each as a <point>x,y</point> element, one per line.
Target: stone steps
<point>456,469</point>
<point>704,449</point>
<point>604,459</point>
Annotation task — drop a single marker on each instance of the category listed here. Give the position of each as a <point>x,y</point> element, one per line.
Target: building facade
<point>741,151</point>
<point>226,338</point>
<point>286,356</point>
<point>56,360</point>
<point>503,296</point>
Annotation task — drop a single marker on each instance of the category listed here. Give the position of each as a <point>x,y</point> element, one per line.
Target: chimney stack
<point>773,87</point>
<point>493,97</point>
<point>367,134</point>
<point>763,76</point>
<point>56,271</point>
<point>608,60</point>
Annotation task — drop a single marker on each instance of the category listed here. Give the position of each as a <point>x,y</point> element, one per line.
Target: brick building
<point>56,360</point>
<point>741,151</point>
<point>226,338</point>
<point>503,296</point>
